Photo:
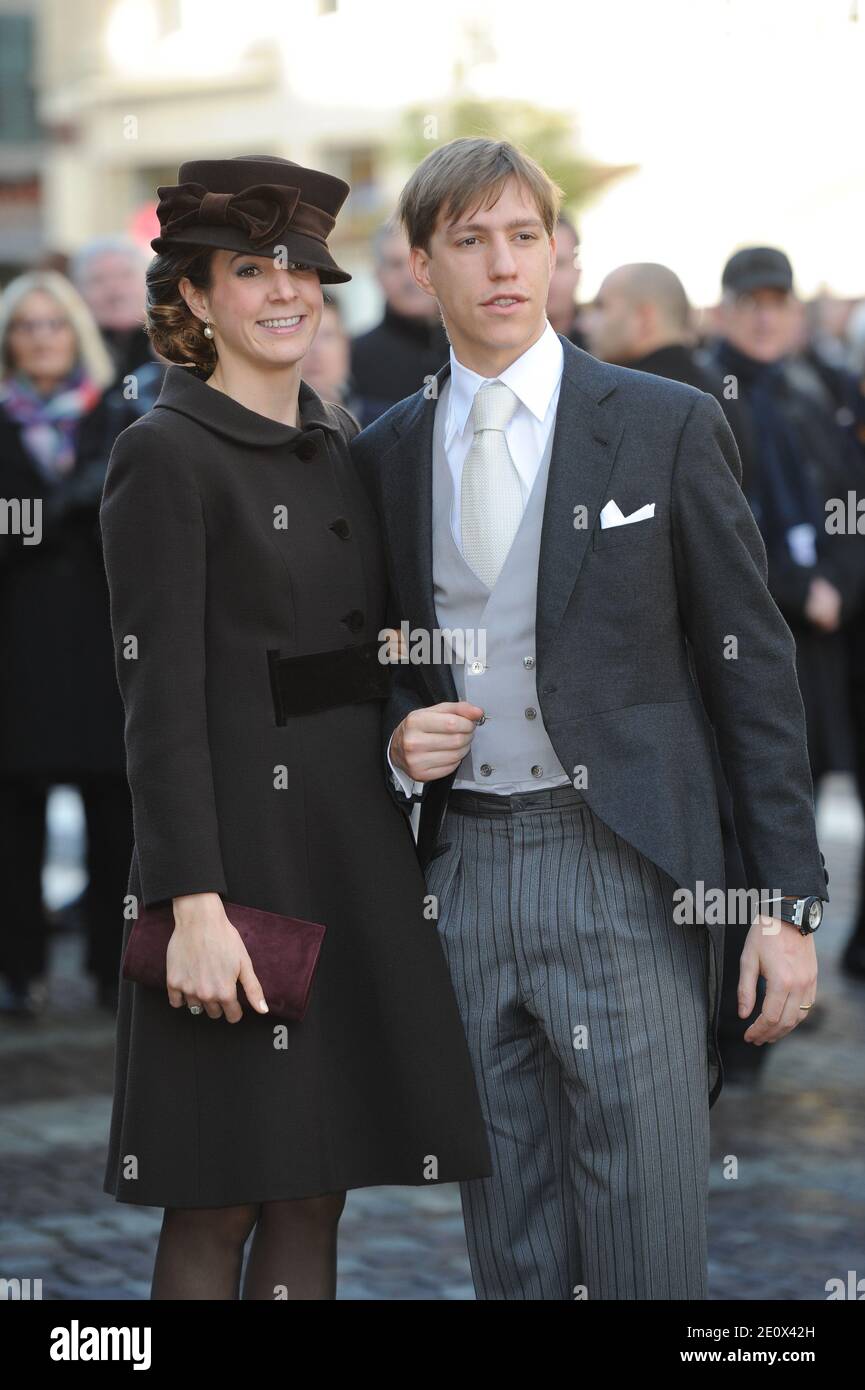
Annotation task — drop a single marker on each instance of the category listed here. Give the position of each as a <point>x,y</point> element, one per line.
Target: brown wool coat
<point>376,1080</point>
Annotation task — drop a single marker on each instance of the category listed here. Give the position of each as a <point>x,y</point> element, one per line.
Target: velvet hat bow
<point>261,211</point>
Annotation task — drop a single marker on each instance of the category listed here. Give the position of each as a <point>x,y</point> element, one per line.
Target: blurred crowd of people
<point>77,368</point>
<point>790,379</point>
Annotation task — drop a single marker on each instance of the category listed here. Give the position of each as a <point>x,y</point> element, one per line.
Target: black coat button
<point>306,450</point>
<point>354,620</point>
<point>341,528</point>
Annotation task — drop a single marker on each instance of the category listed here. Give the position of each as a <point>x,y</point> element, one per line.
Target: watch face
<point>815,914</point>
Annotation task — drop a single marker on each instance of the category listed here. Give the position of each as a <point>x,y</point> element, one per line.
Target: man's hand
<point>823,604</point>
<point>788,962</point>
<point>431,743</point>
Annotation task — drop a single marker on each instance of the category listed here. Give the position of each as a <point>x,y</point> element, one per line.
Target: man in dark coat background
<point>394,359</point>
<point>801,460</point>
<point>562,310</point>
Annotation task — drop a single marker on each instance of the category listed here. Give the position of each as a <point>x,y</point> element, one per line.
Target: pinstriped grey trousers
<point>586,1011</point>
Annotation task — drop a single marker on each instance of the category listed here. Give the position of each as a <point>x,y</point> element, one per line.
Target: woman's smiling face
<point>259,310</point>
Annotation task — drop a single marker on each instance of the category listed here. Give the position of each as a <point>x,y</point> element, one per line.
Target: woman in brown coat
<point>237,537</point>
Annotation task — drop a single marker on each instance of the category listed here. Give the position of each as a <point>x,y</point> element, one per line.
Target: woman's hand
<point>206,957</point>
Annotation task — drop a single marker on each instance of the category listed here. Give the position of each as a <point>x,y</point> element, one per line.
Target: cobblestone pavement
<point>793,1217</point>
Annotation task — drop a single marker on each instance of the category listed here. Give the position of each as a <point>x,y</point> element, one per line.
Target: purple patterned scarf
<point>49,424</point>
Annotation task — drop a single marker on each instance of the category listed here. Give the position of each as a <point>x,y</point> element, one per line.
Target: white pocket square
<point>611,515</point>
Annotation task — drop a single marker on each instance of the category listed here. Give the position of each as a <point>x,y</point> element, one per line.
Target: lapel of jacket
<point>407,501</point>
<point>586,437</point>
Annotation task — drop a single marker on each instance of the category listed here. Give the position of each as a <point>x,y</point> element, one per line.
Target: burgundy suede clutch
<point>283,950</point>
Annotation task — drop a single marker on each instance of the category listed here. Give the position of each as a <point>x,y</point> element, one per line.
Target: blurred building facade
<point>122,91</point>
<point>22,150</point>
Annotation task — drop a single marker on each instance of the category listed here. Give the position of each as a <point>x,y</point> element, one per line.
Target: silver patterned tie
<point>491,499</point>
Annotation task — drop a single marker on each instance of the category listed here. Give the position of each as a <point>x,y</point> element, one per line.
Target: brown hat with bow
<point>255,203</point>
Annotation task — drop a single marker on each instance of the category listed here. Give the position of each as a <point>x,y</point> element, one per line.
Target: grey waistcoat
<point>495,666</point>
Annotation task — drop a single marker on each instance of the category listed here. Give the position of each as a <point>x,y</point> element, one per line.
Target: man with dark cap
<point>802,458</point>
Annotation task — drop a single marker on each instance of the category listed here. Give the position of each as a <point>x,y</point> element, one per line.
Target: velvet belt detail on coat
<point>325,680</point>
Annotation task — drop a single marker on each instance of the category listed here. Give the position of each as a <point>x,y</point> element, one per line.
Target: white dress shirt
<point>535,378</point>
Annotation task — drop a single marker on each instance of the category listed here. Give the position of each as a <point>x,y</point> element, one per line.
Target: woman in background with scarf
<point>61,717</point>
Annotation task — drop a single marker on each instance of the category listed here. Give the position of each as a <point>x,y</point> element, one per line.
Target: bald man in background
<point>642,318</point>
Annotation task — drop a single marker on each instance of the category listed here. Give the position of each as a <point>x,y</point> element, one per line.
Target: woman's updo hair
<point>173,329</point>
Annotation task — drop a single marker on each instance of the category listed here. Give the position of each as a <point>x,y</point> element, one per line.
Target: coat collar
<point>186,393</point>
<point>587,433</point>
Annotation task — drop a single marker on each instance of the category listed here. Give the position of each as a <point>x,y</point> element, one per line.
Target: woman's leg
<point>200,1252</point>
<point>293,1253</point>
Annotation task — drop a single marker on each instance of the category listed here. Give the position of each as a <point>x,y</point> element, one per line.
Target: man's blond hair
<point>471,172</point>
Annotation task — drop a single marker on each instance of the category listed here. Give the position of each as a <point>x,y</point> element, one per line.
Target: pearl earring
<point>208,331</point>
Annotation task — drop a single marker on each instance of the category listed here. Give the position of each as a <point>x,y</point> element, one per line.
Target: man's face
<point>612,324</point>
<point>113,286</point>
<point>490,273</point>
<point>761,323</point>
<point>397,281</point>
<point>562,298</point>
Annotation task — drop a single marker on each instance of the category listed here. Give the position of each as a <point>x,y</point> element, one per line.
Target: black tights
<point>292,1256</point>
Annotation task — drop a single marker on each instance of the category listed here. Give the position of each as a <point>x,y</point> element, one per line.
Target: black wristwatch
<point>804,913</point>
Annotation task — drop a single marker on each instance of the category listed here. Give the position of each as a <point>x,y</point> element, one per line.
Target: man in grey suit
<point>575,536</point>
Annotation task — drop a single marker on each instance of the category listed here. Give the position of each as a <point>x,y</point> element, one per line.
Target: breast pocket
<point>635,534</point>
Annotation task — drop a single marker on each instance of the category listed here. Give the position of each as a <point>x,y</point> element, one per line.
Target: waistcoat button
<point>537,771</point>
<point>531,713</point>
<point>477,668</point>
<point>485,769</point>
<point>528,662</point>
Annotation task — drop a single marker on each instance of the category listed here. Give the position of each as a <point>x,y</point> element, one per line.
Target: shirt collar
<point>533,378</point>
